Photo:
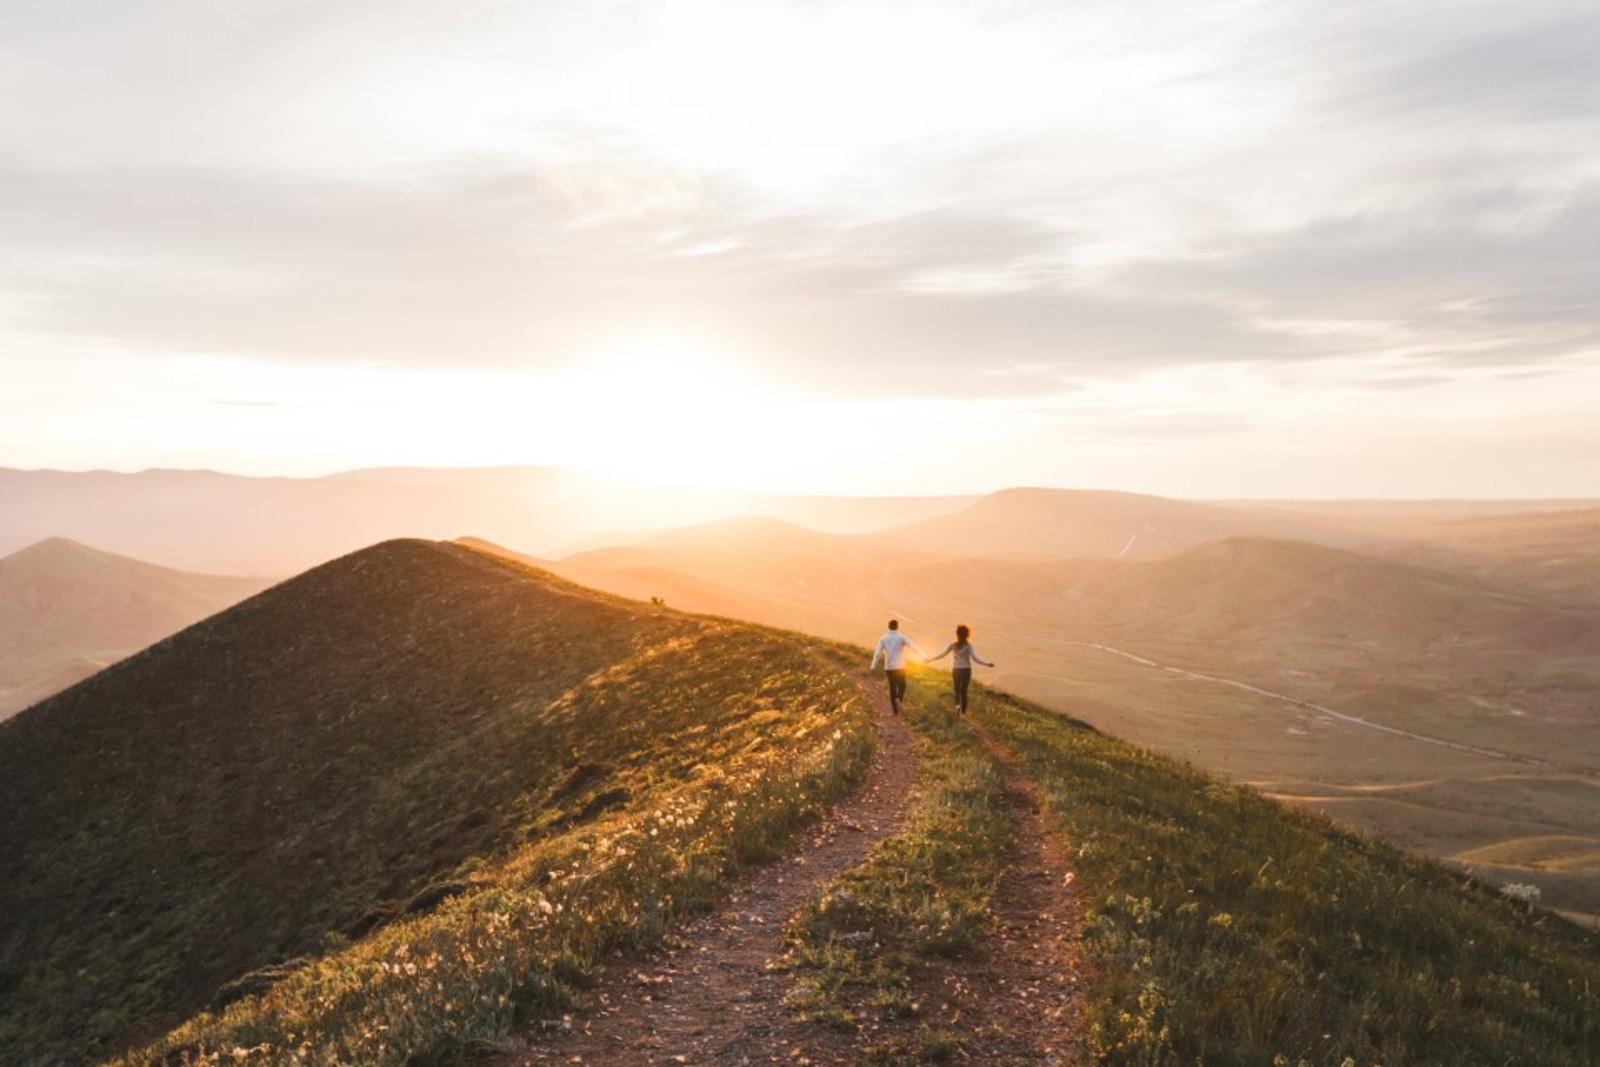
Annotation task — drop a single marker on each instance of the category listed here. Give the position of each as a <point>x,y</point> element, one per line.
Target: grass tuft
<point>860,943</point>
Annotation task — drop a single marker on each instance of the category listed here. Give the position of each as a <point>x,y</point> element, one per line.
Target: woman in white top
<point>963,657</point>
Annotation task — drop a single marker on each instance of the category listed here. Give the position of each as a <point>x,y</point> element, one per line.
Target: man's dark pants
<point>897,687</point>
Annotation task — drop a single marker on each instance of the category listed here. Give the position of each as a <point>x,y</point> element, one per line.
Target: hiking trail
<point>716,994</point>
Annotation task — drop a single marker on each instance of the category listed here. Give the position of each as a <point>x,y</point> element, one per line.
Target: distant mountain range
<point>68,610</point>
<point>224,523</point>
<point>230,524</point>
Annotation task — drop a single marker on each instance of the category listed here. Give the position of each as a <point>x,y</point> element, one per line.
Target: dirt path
<point>1021,1002</point>
<point>713,998</point>
<point>1029,992</point>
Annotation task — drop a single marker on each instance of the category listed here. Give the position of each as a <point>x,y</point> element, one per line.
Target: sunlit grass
<point>1225,929</point>
<point>716,784</point>
<point>859,945</point>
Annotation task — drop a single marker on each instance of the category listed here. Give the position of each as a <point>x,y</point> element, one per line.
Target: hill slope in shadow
<point>67,610</point>
<point>297,768</point>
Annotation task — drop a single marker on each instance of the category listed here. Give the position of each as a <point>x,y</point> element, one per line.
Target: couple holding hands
<point>892,651</point>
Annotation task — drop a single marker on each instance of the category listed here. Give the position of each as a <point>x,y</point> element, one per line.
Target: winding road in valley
<point>1320,709</point>
<point>1028,638</point>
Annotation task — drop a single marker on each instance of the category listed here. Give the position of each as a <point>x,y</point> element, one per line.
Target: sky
<point>1233,249</point>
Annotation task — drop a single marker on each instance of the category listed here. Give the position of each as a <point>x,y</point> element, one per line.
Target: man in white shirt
<point>892,650</point>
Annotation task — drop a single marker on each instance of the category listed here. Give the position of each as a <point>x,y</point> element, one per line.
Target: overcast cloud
<point>876,199</point>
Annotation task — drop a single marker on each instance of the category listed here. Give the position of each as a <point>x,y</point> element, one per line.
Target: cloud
<point>507,270</point>
<point>1265,188</point>
<point>291,268</point>
<point>1453,286</point>
<point>503,268</point>
<point>1533,62</point>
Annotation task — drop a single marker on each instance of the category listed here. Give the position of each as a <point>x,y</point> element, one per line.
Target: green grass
<point>293,780</point>
<point>1224,929</point>
<point>861,946</point>
<point>586,772</point>
<point>432,989</point>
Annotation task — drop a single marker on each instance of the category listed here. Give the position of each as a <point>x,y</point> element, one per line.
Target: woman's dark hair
<point>962,633</point>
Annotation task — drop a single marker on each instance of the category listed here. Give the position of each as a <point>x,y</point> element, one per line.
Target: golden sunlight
<point>669,407</point>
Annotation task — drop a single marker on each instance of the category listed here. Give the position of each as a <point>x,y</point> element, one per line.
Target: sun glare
<point>664,407</point>
<point>671,408</point>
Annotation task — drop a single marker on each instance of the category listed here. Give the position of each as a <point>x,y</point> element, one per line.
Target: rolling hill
<point>348,747</point>
<point>68,610</point>
<point>755,568</point>
<point>1253,592</point>
<point>1087,524</point>
<point>1552,552</point>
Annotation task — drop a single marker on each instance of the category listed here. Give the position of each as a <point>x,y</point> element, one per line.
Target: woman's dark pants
<point>962,677</point>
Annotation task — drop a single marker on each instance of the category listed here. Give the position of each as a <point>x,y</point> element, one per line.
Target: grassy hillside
<point>329,760</point>
<point>67,610</point>
<point>443,788</point>
<point>1226,929</point>
<point>1219,928</point>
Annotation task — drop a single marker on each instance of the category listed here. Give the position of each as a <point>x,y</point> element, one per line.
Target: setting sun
<point>671,408</point>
